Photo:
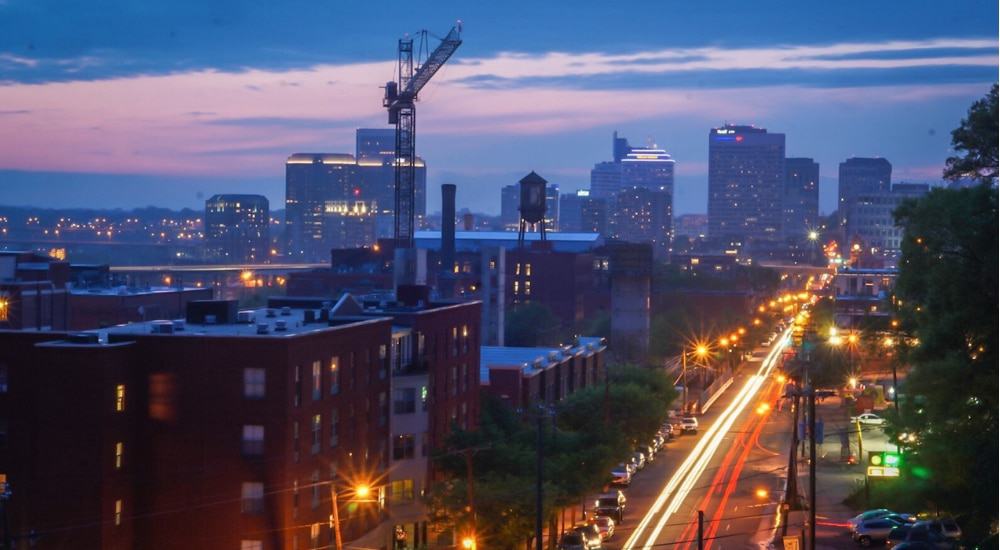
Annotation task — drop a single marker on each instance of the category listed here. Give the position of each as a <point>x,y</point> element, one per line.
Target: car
<point>649,451</point>
<point>897,535</point>
<point>868,419</point>
<point>870,531</point>
<point>950,528</point>
<point>913,546</point>
<point>667,431</point>
<point>621,476</point>
<point>606,525</point>
<point>572,541</point>
<point>869,514</point>
<point>689,424</point>
<point>611,505</point>
<point>930,532</point>
<point>639,459</point>
<point>591,535</point>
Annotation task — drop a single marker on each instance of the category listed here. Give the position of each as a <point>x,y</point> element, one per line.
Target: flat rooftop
<point>131,291</point>
<point>556,236</point>
<point>532,360</point>
<point>295,325</point>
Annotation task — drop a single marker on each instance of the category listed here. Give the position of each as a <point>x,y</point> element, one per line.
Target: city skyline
<point>85,112</point>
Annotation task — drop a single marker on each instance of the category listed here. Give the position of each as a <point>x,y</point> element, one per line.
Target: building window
<point>527,270</point>
<point>251,545</point>
<point>252,497</point>
<point>402,447</point>
<point>119,454</point>
<point>334,375</point>
<point>462,378</point>
<point>383,361</point>
<point>295,498</point>
<point>253,440</point>
<point>314,534</point>
<point>334,421</point>
<point>383,409</point>
<point>425,446</point>
<point>404,401</point>
<point>317,422</point>
<point>295,440</point>
<point>423,398</point>
<point>120,397</point>
<point>401,490</point>
<point>465,338</point>
<point>453,383</point>
<point>454,341</point>
<point>297,398</point>
<point>119,509</point>
<point>254,383</point>
<point>315,489</point>
<point>317,381</point>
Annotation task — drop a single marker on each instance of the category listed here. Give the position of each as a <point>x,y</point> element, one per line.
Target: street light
<point>469,542</point>
<point>700,351</point>
<point>360,492</point>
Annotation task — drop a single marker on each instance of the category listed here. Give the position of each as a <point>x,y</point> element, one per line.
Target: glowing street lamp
<point>469,543</point>
<point>813,235</point>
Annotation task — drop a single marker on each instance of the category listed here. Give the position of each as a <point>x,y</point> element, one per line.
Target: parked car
<point>591,535</point>
<point>689,424</point>
<point>874,530</point>
<point>897,535</point>
<point>606,525</point>
<point>621,476</point>
<point>611,505</point>
<point>913,546</point>
<point>950,528</point>
<point>648,451</point>
<point>572,540</point>
<point>868,419</point>
<point>931,533</point>
<point>667,431</point>
<point>867,515</point>
<point>639,459</point>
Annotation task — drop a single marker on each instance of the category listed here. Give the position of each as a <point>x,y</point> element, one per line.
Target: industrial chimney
<point>446,284</point>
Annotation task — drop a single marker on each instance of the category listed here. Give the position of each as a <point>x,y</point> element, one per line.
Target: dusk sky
<point>122,104</point>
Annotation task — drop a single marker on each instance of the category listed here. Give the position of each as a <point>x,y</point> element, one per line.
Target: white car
<point>689,424</point>
<point>870,419</point>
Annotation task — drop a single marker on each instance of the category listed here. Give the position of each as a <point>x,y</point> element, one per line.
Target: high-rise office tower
<point>746,177</point>
<point>606,180</point>
<point>312,180</point>
<point>643,215</point>
<point>860,176</point>
<point>581,213</point>
<point>870,221</point>
<point>552,207</point>
<point>800,201</point>
<point>510,200</point>
<point>332,199</point>
<point>619,147</point>
<point>237,228</point>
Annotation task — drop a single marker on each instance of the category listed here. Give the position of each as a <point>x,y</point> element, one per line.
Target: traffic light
<point>883,464</point>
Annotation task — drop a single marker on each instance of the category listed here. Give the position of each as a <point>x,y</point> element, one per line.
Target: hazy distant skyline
<point>127,104</point>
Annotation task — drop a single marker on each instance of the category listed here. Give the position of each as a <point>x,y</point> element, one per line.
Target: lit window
<point>254,385</point>
<point>401,490</point>
<point>317,385</point>
<point>120,397</point>
<point>314,534</point>
<point>527,270</point>
<point>119,508</point>
<point>119,454</point>
<point>251,545</point>
<point>334,375</point>
<point>253,440</point>
<point>317,422</point>
<point>252,497</point>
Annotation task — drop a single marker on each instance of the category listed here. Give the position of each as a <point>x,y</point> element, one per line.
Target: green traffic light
<point>892,459</point>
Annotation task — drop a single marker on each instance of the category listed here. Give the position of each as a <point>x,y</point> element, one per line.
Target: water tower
<point>532,206</point>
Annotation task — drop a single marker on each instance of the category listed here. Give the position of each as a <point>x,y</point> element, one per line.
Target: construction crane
<point>400,97</point>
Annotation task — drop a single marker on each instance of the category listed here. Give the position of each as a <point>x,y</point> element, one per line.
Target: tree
<point>532,324</point>
<point>976,139</point>
<point>947,296</point>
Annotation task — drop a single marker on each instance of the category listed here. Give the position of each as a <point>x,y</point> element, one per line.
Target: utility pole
<point>470,493</point>
<point>812,467</point>
<point>701,530</point>
<point>792,486</point>
<point>539,465</point>
<point>338,543</point>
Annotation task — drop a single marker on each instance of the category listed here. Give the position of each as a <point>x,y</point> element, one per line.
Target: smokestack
<point>447,282</point>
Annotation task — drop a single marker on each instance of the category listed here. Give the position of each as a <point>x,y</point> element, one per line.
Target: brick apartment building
<point>224,430</point>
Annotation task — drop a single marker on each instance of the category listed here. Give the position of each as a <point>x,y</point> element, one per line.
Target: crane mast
<point>400,97</point>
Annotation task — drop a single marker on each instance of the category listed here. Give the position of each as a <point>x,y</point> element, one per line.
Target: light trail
<point>690,470</point>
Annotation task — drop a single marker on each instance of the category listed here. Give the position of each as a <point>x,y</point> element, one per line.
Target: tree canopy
<point>976,140</point>
<point>532,324</point>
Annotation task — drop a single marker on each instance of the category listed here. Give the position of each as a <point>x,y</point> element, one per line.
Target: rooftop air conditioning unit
<point>280,325</point>
<point>163,327</point>
<point>262,328</point>
<point>245,316</point>
<point>270,312</point>
<point>286,311</point>
<point>178,325</point>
